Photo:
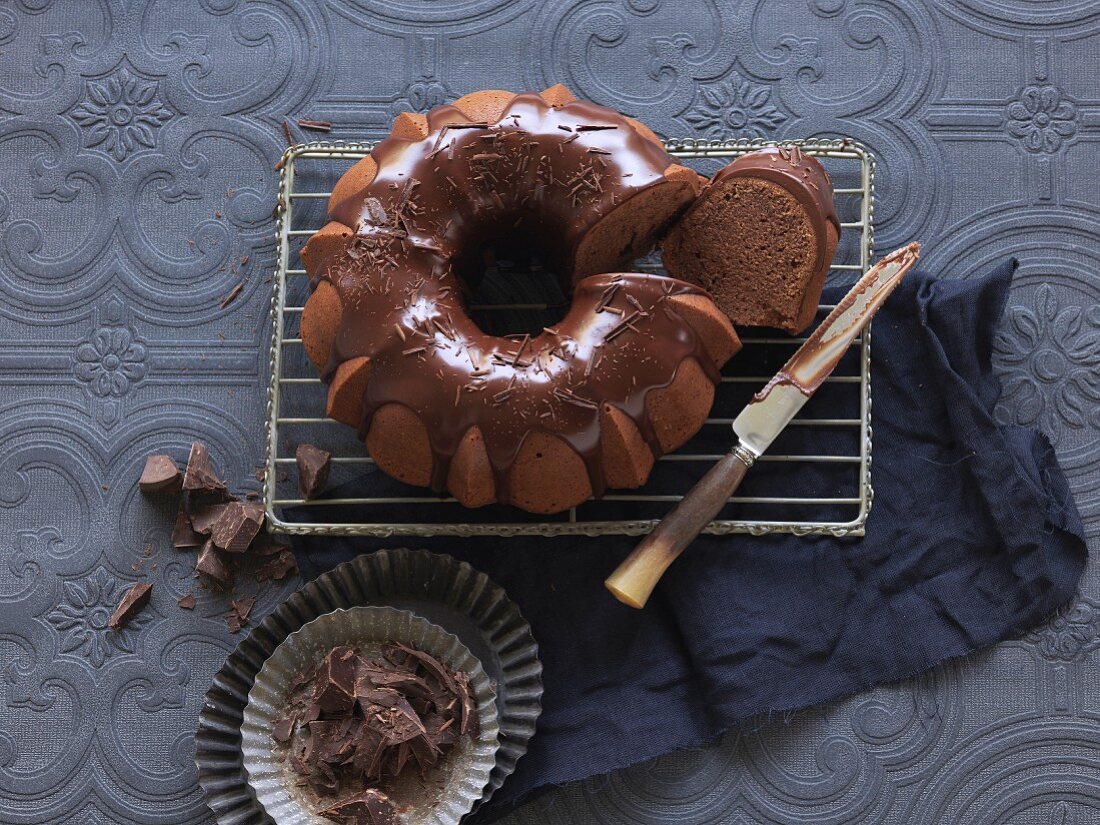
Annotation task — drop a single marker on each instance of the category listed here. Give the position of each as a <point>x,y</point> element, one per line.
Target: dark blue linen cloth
<point>973,538</point>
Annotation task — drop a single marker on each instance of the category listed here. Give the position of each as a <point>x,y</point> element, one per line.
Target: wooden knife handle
<point>634,579</point>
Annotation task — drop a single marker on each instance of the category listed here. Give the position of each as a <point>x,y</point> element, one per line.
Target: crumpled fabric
<point>973,538</point>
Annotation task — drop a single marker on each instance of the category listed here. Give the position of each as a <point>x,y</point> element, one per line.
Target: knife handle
<point>633,580</point>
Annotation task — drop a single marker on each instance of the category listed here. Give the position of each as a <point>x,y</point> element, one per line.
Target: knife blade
<point>772,409</point>
<point>758,425</point>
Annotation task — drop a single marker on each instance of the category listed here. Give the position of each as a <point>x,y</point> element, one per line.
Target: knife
<point>757,427</point>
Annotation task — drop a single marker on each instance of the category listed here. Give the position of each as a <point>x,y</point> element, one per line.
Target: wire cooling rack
<point>816,479</point>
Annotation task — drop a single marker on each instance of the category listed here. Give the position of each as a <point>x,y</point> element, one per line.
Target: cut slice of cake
<point>760,239</point>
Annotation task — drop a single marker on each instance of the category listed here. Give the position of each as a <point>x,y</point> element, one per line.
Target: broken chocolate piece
<point>238,612</point>
<point>278,568</point>
<point>161,475</point>
<point>187,602</point>
<point>236,525</point>
<point>371,807</point>
<point>133,602</point>
<point>204,518</point>
<point>369,719</point>
<point>266,544</point>
<point>283,730</point>
<point>313,468</point>
<point>211,563</point>
<point>334,689</point>
<point>200,476</point>
<point>183,534</point>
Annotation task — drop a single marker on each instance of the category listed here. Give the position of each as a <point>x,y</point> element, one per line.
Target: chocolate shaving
<point>313,469</point>
<point>161,475</point>
<point>133,602</point>
<point>278,568</point>
<point>371,807</point>
<point>187,602</point>
<point>315,125</point>
<point>232,296</point>
<point>238,613</point>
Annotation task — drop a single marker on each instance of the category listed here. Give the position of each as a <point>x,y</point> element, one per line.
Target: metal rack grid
<point>852,168</point>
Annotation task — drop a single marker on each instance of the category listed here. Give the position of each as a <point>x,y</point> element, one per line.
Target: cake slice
<point>760,239</point>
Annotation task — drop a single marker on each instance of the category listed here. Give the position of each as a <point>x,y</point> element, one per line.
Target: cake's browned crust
<point>627,459</point>
<point>680,409</point>
<point>541,422</point>
<point>470,477</point>
<point>398,443</point>
<point>345,393</point>
<point>779,231</point>
<point>331,239</point>
<point>548,475</point>
<point>320,322</point>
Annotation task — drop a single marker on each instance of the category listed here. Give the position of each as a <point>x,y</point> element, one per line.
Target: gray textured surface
<point>136,146</point>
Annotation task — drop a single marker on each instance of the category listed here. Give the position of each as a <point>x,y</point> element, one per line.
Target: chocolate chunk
<point>278,568</point>
<point>370,807</point>
<point>238,612</point>
<point>313,467</point>
<point>183,534</point>
<point>266,544</point>
<point>200,476</point>
<point>205,517</point>
<point>283,730</point>
<point>334,689</point>
<point>236,525</point>
<point>161,475</point>
<point>212,564</point>
<point>133,601</point>
<point>187,602</point>
<point>369,719</point>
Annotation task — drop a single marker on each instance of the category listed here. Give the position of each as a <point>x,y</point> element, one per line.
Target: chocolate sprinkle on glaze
<point>556,195</point>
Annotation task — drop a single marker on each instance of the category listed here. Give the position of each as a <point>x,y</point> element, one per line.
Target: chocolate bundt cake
<point>760,239</point>
<point>542,422</point>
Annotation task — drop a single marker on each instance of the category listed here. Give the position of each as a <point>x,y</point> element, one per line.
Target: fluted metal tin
<point>440,588</point>
<point>460,777</point>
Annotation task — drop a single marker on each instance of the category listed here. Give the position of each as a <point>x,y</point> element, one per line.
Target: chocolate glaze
<point>801,175</point>
<point>551,174</point>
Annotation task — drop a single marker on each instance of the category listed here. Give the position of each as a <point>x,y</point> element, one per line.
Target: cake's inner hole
<point>516,283</point>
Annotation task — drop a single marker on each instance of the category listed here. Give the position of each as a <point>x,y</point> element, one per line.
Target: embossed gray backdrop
<point>137,146</point>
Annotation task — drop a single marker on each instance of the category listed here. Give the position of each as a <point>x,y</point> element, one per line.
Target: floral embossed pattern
<point>1072,633</point>
<point>734,107</point>
<point>81,619</point>
<point>1053,352</point>
<point>1042,118</point>
<point>121,114</point>
<point>110,362</point>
